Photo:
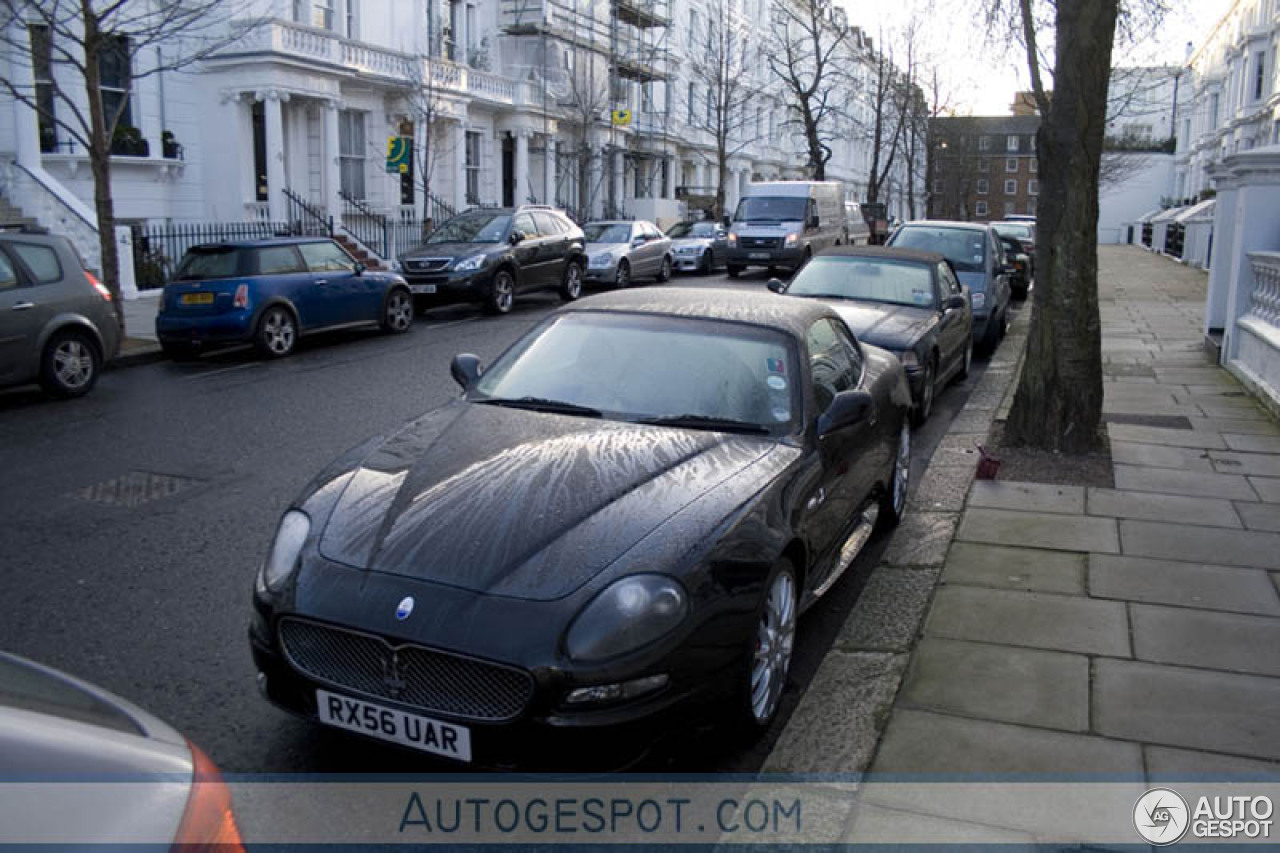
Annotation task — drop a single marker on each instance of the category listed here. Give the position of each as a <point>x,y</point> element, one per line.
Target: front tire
<point>705,263</point>
<point>277,332</point>
<point>968,360</point>
<point>733,271</point>
<point>664,274</point>
<point>622,277</point>
<point>571,287</point>
<point>502,293</point>
<point>921,412</point>
<point>893,503</point>
<point>397,313</point>
<point>769,658</point>
<point>70,365</point>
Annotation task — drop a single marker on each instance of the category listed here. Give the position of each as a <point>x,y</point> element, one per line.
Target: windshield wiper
<point>541,404</point>
<point>706,422</point>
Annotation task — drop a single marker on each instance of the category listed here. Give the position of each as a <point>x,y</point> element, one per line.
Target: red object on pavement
<point>988,465</point>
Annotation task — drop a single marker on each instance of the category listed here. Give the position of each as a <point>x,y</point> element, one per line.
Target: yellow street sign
<point>399,150</point>
<point>621,118</point>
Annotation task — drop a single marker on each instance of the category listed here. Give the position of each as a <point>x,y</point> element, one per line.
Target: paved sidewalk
<point>1132,631</point>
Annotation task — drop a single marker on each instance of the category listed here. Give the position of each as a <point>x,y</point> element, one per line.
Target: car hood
<point>448,250</point>
<point>691,242</point>
<point>893,327</point>
<point>523,504</point>
<point>975,281</point>
<point>612,247</point>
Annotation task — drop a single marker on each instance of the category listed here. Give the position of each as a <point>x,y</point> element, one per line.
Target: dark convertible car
<point>617,521</point>
<point>906,301</point>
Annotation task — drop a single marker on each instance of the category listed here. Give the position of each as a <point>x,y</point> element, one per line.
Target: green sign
<point>399,150</point>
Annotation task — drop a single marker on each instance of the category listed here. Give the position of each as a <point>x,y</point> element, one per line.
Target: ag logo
<point>1161,816</point>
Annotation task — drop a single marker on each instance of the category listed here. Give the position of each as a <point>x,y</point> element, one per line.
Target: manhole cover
<point>1166,421</point>
<point>135,489</point>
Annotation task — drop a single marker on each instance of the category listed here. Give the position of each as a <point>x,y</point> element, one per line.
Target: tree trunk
<point>100,162</point>
<point>1058,404</point>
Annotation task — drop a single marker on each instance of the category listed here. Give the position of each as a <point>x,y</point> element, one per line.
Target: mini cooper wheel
<point>770,659</point>
<point>502,293</point>
<point>397,314</point>
<point>664,274</point>
<point>70,364</point>
<point>277,332</point>
<point>571,287</point>
<point>893,503</point>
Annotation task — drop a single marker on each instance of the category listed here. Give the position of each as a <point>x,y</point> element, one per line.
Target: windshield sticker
<point>920,297</point>
<point>775,365</point>
<point>780,414</point>
<point>777,383</point>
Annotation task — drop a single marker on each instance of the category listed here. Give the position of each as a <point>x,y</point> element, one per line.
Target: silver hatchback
<point>57,323</point>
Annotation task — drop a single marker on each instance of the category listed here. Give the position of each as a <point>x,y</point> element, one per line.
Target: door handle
<point>817,499</point>
<point>322,281</point>
<point>24,306</point>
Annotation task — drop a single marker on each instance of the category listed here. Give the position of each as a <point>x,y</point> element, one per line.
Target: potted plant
<point>129,142</point>
<point>169,146</point>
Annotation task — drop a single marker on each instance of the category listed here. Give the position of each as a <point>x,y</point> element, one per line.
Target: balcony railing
<point>1264,302</point>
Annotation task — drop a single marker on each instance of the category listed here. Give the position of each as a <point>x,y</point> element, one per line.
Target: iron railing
<point>157,249</point>
<point>304,218</point>
<point>365,225</point>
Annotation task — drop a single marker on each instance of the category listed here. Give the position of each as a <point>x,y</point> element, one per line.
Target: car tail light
<point>208,823</point>
<point>98,286</point>
<point>242,296</point>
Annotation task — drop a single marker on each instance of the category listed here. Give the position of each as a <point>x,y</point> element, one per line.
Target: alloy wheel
<point>775,636</point>
<point>73,363</point>
<point>573,281</point>
<point>622,278</point>
<point>278,331</point>
<point>399,311</point>
<point>504,292</point>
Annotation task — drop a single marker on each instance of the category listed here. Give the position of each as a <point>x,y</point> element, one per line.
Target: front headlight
<point>468,264</point>
<point>629,614</point>
<point>792,239</point>
<point>602,260</point>
<point>733,239</point>
<point>977,300</point>
<point>285,550</point>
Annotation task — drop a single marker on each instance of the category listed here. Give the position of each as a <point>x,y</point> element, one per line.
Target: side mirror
<point>359,268</point>
<point>465,369</point>
<point>955,301</point>
<point>726,222</point>
<point>637,242</point>
<point>776,285</point>
<point>847,409</point>
<point>516,237</point>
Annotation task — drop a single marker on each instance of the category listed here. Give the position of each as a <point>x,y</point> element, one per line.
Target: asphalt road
<point>133,522</point>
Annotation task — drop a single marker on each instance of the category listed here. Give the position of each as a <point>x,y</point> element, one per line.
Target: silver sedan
<point>619,252</point>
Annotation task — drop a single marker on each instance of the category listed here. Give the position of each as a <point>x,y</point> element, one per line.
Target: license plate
<point>758,256</point>
<point>423,288</point>
<point>393,725</point>
<point>197,299</point>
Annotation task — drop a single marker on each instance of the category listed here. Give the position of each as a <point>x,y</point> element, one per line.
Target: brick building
<point>983,167</point>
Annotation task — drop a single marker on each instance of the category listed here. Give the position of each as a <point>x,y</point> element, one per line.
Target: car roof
<point>266,241</point>
<point>947,223</point>
<point>613,221</point>
<point>765,309</point>
<point>919,256</point>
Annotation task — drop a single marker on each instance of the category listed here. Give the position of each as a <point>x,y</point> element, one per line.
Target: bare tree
<point>137,39</point>
<point>720,66</point>
<point>587,106</point>
<point>805,57</point>
<point>427,108</point>
<point>888,118</point>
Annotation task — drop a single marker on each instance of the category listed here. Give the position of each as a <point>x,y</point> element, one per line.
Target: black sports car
<point>619,519</point>
<point>906,301</point>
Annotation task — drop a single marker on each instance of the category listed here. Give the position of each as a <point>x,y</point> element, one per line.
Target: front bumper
<point>785,257</point>
<point>233,326</point>
<point>598,275</point>
<point>449,287</point>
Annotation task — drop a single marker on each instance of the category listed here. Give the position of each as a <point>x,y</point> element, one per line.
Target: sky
<point>980,77</point>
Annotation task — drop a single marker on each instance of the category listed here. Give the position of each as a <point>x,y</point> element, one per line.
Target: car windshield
<point>869,279</point>
<point>635,368</point>
<point>604,232</point>
<point>767,208</point>
<point>1012,229</point>
<point>966,248</point>
<point>692,229</point>
<point>472,228</point>
<point>208,262</point>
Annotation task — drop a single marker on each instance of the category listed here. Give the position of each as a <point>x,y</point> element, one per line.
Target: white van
<point>784,223</point>
<point>857,231</point>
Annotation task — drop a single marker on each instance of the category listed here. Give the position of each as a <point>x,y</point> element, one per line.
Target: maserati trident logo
<point>1161,816</point>
<point>404,608</point>
<point>393,674</point>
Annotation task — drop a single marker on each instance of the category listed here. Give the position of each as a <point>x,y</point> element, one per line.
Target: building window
<point>1034,164</point>
<point>1031,206</point>
<point>1010,187</point>
<point>1011,144</point>
<point>1259,74</point>
<point>1011,164</point>
<point>116,79</point>
<point>937,184</point>
<point>980,208</point>
<point>646,97</point>
<point>42,69</point>
<point>1010,208</point>
<point>983,186</point>
<point>1213,111</point>
<point>693,95</point>
<point>317,13</point>
<point>984,164</point>
<point>1033,187</point>
<point>472,165</point>
<point>693,28</point>
<point>351,151</point>
<point>984,143</point>
<point>350,24</point>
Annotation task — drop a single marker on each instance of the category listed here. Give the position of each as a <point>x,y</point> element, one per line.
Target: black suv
<point>488,255</point>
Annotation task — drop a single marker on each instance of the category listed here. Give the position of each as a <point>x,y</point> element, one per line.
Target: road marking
<point>449,323</point>
<point>222,370</point>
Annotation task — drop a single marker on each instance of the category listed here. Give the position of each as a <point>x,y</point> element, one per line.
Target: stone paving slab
<point>874,824</point>
<point>1256,464</point>
<point>1160,456</point>
<point>1035,620</point>
<point>1228,642</point>
<point>1026,569</point>
<point>1030,497</point>
<point>1162,435</point>
<point>1214,512</point>
<point>1215,545</point>
<point>943,488</point>
<point>1196,708</point>
<point>1268,488</point>
<point>1039,530</point>
<point>991,682</point>
<point>1253,443</point>
<point>1259,516</point>
<point>1186,584</point>
<point>1199,392</point>
<point>1167,763</point>
<point>862,686</point>
<point>922,539</point>
<point>1194,376</point>
<point>1239,426</point>
<point>1144,478</point>
<point>889,611</point>
<point>1231,407</point>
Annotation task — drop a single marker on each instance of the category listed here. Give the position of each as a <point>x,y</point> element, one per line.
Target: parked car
<point>1016,255</point>
<point>977,256</point>
<point>699,246</point>
<point>621,251</point>
<point>271,292</point>
<point>901,300</point>
<point>1025,233</point>
<point>490,255</point>
<point>617,523</point>
<point>55,727</point>
<point>856,228</point>
<point>58,325</point>
<point>783,223</point>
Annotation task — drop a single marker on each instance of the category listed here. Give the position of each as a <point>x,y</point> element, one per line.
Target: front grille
<point>426,278</point>
<point>426,264</point>
<point>429,679</point>
<point>761,242</point>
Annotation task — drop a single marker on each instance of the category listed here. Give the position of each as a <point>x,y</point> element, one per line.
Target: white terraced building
<point>513,99</point>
